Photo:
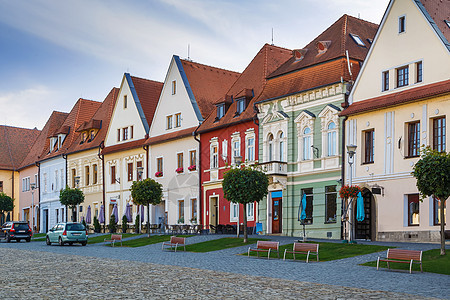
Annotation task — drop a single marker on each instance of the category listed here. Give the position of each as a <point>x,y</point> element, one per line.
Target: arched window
<point>307,143</point>
<point>270,150</point>
<point>281,137</point>
<point>331,139</point>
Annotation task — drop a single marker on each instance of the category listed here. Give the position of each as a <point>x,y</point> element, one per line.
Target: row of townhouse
<point>382,88</point>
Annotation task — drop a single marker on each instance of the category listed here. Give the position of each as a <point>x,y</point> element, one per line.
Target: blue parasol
<point>360,208</point>
<point>115,212</point>
<point>128,213</point>
<point>303,215</point>
<point>101,215</point>
<point>88,215</point>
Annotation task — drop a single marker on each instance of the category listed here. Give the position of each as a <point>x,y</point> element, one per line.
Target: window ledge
<point>415,156</point>
<point>367,163</point>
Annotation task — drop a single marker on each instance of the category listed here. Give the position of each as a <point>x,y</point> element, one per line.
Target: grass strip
<point>327,251</point>
<point>219,244</point>
<point>101,238</point>
<point>432,262</point>
<point>153,239</point>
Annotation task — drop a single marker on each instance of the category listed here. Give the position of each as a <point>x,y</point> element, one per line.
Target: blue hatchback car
<point>69,233</point>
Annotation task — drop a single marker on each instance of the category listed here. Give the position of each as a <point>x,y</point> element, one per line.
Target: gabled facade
<point>300,130</point>
<point>230,132</point>
<point>53,163</point>
<point>401,102</point>
<point>124,150</point>
<point>187,98</point>
<point>15,144</point>
<point>29,173</point>
<point>84,162</point>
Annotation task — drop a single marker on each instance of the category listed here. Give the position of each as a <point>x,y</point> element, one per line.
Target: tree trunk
<point>238,221</point>
<point>245,223</point>
<point>148,220</point>
<point>442,227</point>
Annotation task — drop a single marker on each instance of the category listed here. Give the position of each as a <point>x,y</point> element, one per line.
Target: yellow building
<point>399,103</point>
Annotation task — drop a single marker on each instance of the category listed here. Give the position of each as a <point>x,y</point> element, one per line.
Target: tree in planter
<point>71,198</point>
<point>97,226</point>
<point>432,172</point>
<point>244,185</point>
<point>112,226</point>
<point>6,204</point>
<point>136,223</point>
<point>146,192</point>
<point>124,224</point>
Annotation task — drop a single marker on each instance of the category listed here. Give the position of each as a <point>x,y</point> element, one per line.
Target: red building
<point>229,135</point>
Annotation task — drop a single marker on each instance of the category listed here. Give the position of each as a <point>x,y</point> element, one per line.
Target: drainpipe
<point>343,151</point>
<point>102,158</point>
<point>12,194</point>
<point>64,156</point>
<point>199,213</point>
<point>38,186</point>
<point>146,149</point>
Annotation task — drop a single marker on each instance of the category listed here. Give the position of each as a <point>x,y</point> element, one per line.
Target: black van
<point>16,230</point>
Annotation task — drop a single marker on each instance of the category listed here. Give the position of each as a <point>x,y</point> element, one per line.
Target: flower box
<point>158,174</point>
<point>347,192</point>
<point>192,168</point>
<point>179,170</point>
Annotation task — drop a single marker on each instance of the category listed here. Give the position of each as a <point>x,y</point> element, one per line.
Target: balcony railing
<point>274,167</point>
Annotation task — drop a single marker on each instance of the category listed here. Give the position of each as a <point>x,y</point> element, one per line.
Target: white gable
<point>392,49</point>
<point>125,116</point>
<point>173,102</point>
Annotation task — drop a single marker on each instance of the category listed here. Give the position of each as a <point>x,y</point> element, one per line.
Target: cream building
<point>399,103</point>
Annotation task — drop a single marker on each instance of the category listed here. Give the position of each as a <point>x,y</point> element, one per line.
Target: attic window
<point>401,24</point>
<point>220,111</point>
<point>322,46</point>
<point>447,22</point>
<point>240,106</point>
<point>370,41</point>
<point>357,40</point>
<point>299,54</point>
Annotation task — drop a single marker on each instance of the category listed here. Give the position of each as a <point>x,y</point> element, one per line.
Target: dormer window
<point>83,137</point>
<point>401,24</point>
<point>240,106</point>
<point>53,141</point>
<point>91,135</point>
<point>220,111</point>
<point>60,141</point>
<point>299,54</point>
<point>357,40</point>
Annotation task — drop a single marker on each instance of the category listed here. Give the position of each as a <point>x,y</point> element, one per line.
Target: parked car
<point>69,233</point>
<point>16,230</point>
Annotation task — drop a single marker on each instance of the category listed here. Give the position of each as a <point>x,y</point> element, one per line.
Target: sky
<point>54,52</point>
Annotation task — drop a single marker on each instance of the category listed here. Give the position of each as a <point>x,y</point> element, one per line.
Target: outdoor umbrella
<point>128,213</point>
<point>88,215</point>
<point>302,215</point>
<point>101,216</point>
<point>115,212</point>
<point>360,208</point>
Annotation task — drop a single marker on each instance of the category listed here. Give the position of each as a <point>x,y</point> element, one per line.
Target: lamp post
<point>351,150</point>
<point>238,161</point>
<point>140,171</point>
<point>33,187</point>
<point>77,183</point>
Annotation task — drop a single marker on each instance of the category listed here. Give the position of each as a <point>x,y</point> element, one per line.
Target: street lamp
<point>238,162</point>
<point>33,187</point>
<point>77,183</point>
<point>140,171</point>
<point>351,150</point>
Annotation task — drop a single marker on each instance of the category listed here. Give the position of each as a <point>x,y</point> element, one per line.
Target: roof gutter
<point>102,158</point>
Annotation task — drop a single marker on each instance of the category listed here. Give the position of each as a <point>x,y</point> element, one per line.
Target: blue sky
<point>54,52</point>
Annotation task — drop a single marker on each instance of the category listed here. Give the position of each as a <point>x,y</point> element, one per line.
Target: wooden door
<point>363,229</point>
<point>276,215</point>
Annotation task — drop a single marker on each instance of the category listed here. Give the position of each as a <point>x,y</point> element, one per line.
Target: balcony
<point>274,168</point>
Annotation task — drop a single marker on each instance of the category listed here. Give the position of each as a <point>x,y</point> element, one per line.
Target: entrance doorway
<point>213,211</point>
<point>276,215</point>
<point>364,229</point>
<point>45,220</point>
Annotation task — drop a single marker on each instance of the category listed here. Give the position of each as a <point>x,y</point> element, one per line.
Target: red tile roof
<point>398,98</point>
<point>339,36</point>
<point>249,84</point>
<point>124,146</point>
<point>100,120</point>
<point>148,92</point>
<point>170,136</point>
<point>440,12</point>
<point>82,111</point>
<point>15,144</point>
<point>207,83</point>
<point>55,121</point>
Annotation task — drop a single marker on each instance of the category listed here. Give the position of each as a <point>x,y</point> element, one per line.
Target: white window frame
<point>178,120</point>
<point>174,87</point>
<point>214,156</point>
<point>306,150</point>
<point>250,153</point>
<point>169,122</point>
<point>234,213</point>
<point>251,211</point>
<point>281,137</point>
<point>236,146</point>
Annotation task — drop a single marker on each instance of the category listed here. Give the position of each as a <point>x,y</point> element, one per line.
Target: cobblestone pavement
<point>34,270</point>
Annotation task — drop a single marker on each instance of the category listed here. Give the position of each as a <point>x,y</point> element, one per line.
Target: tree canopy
<point>432,172</point>
<point>6,203</point>
<point>146,192</point>
<point>245,185</point>
<point>71,197</point>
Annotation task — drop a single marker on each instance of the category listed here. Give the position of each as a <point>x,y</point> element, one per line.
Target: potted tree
<point>97,226</point>
<point>136,224</point>
<point>112,226</point>
<point>124,224</point>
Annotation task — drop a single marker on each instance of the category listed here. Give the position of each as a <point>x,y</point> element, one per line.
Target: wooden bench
<point>303,248</point>
<point>114,238</point>
<point>265,246</point>
<point>175,242</point>
<point>402,256</point>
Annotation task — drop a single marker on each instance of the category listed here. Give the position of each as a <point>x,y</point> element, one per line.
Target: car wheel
<point>18,240</point>
<point>47,240</point>
<point>60,242</point>
<point>83,243</point>
<point>28,240</point>
<point>8,239</point>
<point>70,243</point>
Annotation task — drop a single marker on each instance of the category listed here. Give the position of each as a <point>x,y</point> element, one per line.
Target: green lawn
<point>219,244</point>
<point>144,241</point>
<point>101,238</point>
<point>432,262</point>
<point>328,251</point>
